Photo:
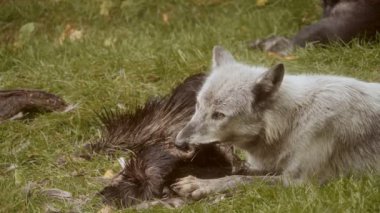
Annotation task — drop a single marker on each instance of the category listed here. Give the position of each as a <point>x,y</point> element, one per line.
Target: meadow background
<point>115,54</point>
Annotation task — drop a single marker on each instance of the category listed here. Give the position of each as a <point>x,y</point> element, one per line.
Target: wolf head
<point>231,102</point>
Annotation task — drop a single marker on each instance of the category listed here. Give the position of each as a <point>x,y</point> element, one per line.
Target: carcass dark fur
<point>149,133</point>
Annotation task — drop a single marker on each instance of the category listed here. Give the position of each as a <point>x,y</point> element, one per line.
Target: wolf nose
<point>182,145</point>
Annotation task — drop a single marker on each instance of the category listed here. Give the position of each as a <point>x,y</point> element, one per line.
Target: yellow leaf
<point>261,3</point>
<point>109,174</point>
<point>70,33</point>
<point>105,7</point>
<point>75,35</point>
<point>165,18</point>
<point>109,41</point>
<point>106,209</point>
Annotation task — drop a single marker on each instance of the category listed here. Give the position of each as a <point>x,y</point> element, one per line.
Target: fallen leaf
<point>165,18</point>
<point>78,173</point>
<point>261,3</point>
<point>75,35</point>
<point>290,57</point>
<point>105,7</point>
<point>153,78</point>
<point>121,106</point>
<point>109,174</point>
<point>70,33</point>
<point>109,42</point>
<point>80,157</point>
<point>105,209</point>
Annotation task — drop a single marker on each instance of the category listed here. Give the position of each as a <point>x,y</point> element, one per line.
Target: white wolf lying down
<point>298,127</point>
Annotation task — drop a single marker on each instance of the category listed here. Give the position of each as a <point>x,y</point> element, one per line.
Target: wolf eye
<point>217,115</point>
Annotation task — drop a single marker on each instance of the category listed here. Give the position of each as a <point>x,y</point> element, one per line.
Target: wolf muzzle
<point>182,143</point>
<point>183,138</point>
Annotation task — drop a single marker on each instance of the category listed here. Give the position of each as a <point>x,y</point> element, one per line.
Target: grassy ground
<point>139,49</point>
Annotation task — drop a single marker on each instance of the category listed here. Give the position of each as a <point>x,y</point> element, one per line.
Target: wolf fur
<point>301,127</point>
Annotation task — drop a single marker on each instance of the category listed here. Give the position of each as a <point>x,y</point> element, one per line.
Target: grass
<point>140,49</point>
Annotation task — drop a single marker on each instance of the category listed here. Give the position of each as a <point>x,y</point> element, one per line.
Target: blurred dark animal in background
<point>342,20</point>
<point>15,102</point>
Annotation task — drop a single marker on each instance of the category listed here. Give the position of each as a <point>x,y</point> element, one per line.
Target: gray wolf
<point>295,128</point>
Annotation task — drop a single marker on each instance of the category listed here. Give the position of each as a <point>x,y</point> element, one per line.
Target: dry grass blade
<point>57,193</point>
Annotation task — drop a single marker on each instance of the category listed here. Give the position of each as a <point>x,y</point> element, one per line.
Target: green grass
<point>148,57</point>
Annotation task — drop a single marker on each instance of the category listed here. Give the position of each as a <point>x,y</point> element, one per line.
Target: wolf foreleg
<point>196,188</point>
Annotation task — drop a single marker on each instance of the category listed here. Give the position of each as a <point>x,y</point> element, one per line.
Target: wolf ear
<point>269,82</point>
<point>220,56</point>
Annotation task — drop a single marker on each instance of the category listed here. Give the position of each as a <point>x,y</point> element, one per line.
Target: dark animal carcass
<point>149,133</point>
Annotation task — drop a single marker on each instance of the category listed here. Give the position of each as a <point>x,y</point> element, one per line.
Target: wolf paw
<point>193,188</point>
